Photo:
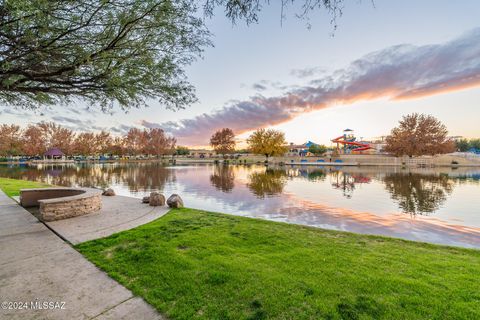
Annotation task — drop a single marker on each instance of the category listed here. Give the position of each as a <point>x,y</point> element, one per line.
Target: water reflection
<point>346,182</point>
<point>268,183</point>
<point>435,205</point>
<point>419,194</point>
<point>137,176</point>
<point>223,177</point>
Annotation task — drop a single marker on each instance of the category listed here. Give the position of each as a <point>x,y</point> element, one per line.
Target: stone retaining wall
<point>63,209</point>
<point>62,203</point>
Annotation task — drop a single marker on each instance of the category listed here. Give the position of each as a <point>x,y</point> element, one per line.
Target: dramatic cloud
<point>398,72</point>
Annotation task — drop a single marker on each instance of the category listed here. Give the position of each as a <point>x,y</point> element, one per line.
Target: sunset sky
<point>382,62</point>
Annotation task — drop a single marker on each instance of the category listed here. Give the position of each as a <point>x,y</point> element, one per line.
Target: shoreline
<point>452,161</point>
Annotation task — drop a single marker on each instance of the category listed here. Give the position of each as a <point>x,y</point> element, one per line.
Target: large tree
<point>108,53</point>
<point>134,141</point>
<point>33,143</point>
<point>85,144</point>
<point>418,135</point>
<point>122,51</point>
<point>38,138</point>
<point>268,143</point>
<point>54,135</point>
<point>223,141</point>
<point>157,143</point>
<point>10,140</point>
<point>103,142</point>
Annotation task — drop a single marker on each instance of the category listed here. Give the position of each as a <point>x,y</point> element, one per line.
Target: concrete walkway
<point>37,266</point>
<point>117,214</point>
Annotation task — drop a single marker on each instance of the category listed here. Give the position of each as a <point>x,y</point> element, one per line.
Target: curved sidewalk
<point>118,213</point>
<point>37,267</point>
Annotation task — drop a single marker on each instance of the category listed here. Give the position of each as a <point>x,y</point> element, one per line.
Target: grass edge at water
<point>207,272</point>
<point>12,187</point>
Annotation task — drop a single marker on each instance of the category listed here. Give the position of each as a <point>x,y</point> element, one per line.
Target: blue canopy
<point>310,143</point>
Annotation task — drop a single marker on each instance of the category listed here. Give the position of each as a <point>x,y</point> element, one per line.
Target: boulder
<point>146,199</point>
<point>157,199</point>
<point>174,201</point>
<point>108,192</point>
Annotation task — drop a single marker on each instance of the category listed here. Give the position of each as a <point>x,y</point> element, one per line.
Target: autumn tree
<point>268,143</point>
<point>103,142</point>
<point>418,135</point>
<point>10,140</point>
<point>156,142</point>
<point>38,138</point>
<point>57,136</point>
<point>134,141</point>
<point>33,143</point>
<point>85,144</point>
<point>117,148</point>
<point>54,135</point>
<point>223,141</point>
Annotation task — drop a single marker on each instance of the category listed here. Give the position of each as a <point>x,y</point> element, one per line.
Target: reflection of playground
<point>339,179</point>
<point>416,191</point>
<point>346,182</point>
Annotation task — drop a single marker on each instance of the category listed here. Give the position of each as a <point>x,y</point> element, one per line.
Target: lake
<point>437,205</point>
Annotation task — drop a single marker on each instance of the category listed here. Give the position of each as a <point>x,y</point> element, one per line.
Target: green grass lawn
<point>193,264</point>
<point>12,187</point>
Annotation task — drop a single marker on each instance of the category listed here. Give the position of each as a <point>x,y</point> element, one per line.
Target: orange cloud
<point>398,72</point>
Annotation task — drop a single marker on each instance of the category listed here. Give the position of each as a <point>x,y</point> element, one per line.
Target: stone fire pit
<point>62,203</point>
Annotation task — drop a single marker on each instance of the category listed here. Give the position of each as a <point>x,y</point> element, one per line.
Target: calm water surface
<point>432,205</point>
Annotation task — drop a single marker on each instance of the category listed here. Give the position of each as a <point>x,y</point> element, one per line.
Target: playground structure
<point>350,143</point>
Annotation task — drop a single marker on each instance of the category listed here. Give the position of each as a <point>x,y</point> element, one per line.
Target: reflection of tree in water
<point>223,178</point>
<point>137,176</point>
<point>313,175</point>
<point>418,193</point>
<point>343,181</point>
<point>346,181</point>
<point>267,183</point>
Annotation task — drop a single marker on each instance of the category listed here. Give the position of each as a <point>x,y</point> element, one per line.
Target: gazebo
<point>53,153</point>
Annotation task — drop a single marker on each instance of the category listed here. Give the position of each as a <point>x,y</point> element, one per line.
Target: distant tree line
<point>416,135</point>
<point>36,139</point>
<point>464,145</point>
